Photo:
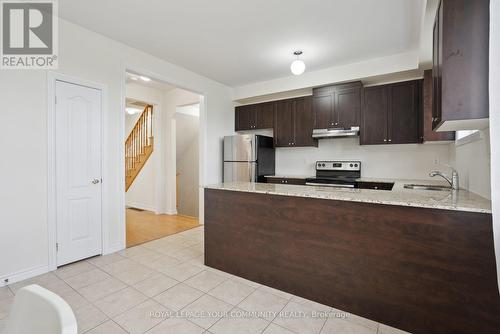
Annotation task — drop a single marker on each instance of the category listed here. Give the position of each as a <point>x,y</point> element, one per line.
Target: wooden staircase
<point>139,146</point>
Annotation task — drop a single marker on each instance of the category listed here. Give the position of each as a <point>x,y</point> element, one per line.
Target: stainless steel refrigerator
<point>248,158</point>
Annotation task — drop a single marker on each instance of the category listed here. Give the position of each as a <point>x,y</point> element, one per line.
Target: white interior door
<point>78,172</point>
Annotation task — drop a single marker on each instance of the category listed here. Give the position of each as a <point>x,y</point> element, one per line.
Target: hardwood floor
<point>144,226</point>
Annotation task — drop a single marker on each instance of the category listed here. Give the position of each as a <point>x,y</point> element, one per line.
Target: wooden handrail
<point>139,145</point>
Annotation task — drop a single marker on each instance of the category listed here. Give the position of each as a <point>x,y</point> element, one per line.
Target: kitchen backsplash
<point>410,161</point>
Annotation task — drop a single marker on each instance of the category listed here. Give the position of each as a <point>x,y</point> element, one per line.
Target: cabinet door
<point>373,128</point>
<point>428,112</point>
<point>323,111</point>
<point>435,69</point>
<point>265,115</point>
<point>276,180</point>
<point>284,123</point>
<point>404,115</point>
<point>436,120</point>
<point>347,107</point>
<point>245,117</point>
<point>303,122</point>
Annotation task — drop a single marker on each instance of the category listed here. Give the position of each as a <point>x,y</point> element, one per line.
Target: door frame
<point>52,78</point>
<point>201,142</point>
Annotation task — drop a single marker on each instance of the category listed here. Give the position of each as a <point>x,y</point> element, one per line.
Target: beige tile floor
<point>115,294</point>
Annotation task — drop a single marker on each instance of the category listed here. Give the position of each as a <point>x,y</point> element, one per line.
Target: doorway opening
<point>161,159</point>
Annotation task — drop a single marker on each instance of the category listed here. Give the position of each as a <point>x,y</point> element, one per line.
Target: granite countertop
<point>461,200</point>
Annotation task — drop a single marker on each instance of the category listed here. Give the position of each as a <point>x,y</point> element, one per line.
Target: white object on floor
<point>38,310</point>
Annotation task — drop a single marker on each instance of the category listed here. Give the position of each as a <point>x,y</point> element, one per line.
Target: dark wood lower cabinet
<point>374,185</point>
<point>421,270</point>
<point>286,180</point>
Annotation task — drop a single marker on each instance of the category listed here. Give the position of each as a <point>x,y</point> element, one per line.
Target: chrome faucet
<point>453,181</point>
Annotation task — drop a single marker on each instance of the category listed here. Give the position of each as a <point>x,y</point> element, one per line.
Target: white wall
<point>187,151</point>
<point>23,195</point>
<point>495,122</point>
<point>173,99</point>
<point>142,193</point>
<point>410,161</point>
<point>472,162</point>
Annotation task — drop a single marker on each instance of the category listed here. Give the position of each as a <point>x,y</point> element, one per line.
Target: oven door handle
<point>330,185</point>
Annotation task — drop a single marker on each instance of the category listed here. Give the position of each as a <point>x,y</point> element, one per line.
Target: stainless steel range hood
<point>335,133</point>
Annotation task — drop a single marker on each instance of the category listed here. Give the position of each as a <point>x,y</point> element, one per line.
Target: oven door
<point>339,183</point>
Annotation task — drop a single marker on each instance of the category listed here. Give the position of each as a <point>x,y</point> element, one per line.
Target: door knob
<point>95,181</point>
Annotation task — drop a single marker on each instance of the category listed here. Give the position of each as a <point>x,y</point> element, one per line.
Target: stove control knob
<point>350,165</point>
<point>355,165</point>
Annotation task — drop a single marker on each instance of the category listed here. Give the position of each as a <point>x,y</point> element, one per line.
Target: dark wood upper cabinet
<point>303,122</point>
<point>293,123</point>
<point>348,107</point>
<point>404,112</point>
<point>391,114</point>
<point>428,108</point>
<point>284,124</point>
<point>254,116</point>
<point>373,128</point>
<point>337,106</point>
<point>265,115</point>
<point>461,65</point>
<point>245,118</point>
<point>323,111</point>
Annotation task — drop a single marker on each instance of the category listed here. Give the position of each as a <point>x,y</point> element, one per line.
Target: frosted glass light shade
<point>298,67</point>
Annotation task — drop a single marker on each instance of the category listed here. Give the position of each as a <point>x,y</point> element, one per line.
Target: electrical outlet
<point>436,160</point>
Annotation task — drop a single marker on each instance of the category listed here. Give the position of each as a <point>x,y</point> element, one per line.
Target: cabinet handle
<point>390,140</point>
<point>385,140</point>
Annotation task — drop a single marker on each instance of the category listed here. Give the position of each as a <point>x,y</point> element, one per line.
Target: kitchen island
<point>421,261</point>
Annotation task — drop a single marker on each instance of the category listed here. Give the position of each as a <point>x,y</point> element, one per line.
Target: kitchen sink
<point>427,187</point>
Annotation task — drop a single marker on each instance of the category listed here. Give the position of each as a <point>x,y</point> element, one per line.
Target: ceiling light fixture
<point>132,111</point>
<point>298,66</point>
<point>143,78</point>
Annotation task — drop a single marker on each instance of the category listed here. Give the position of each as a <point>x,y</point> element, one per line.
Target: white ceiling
<point>238,42</point>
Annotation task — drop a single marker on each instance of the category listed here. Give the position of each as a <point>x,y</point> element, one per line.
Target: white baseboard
<point>141,206</point>
<point>23,274</point>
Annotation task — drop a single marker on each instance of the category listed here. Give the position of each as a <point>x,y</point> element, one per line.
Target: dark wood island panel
<point>421,270</point>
